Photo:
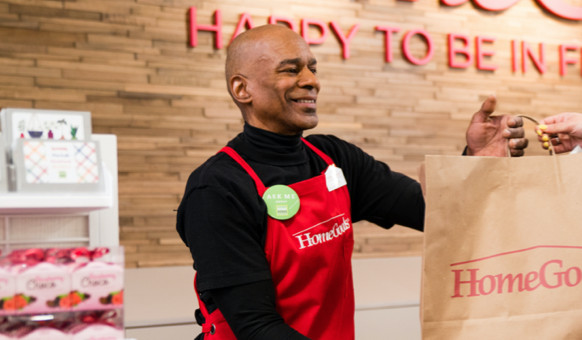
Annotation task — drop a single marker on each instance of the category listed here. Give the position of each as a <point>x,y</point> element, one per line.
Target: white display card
<point>63,165</point>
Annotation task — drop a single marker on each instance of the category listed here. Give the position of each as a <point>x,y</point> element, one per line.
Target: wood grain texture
<point>129,63</point>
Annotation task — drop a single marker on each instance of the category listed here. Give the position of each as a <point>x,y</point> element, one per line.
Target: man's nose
<point>307,79</point>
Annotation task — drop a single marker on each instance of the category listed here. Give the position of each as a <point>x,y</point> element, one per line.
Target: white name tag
<point>334,178</point>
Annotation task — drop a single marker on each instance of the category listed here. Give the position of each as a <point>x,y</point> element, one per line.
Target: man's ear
<point>238,86</point>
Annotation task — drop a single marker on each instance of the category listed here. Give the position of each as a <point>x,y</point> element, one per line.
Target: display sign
<point>57,165</point>
<point>464,51</point>
<point>45,125</point>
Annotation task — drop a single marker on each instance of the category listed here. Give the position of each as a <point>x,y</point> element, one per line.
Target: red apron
<point>310,259</point>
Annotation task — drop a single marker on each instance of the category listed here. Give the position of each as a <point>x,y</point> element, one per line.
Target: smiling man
<point>269,218</point>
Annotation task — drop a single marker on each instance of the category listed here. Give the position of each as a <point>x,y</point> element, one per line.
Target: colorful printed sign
<point>54,162</point>
<point>47,126</point>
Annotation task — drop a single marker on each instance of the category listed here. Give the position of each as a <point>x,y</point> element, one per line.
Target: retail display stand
<point>58,181</point>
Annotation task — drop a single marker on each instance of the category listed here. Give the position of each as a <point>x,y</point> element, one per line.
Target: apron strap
<point>325,157</point>
<point>260,186</point>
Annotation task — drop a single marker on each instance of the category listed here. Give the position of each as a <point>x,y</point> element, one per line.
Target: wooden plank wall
<point>127,61</point>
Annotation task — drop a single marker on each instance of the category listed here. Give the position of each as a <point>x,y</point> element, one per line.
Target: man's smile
<point>309,102</point>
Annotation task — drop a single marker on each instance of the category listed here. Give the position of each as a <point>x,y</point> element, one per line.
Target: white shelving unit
<point>61,219</point>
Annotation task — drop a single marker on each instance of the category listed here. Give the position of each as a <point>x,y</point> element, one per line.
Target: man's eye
<point>314,71</point>
<point>291,70</point>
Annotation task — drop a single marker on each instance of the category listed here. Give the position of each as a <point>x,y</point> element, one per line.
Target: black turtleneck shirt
<point>223,220</point>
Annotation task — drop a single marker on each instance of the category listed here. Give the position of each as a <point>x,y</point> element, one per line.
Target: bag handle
<point>552,152</point>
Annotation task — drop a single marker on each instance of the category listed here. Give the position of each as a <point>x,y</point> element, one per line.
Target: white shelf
<point>20,203</point>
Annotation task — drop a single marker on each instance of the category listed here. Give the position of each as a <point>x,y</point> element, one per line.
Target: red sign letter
<point>305,23</point>
<point>345,41</point>
<point>406,47</point>
<point>490,5</point>
<point>453,2</point>
<point>514,56</point>
<point>495,5</point>
<point>453,51</point>
<point>274,19</point>
<point>388,39</point>
<point>245,21</point>
<point>480,54</point>
<point>217,28</point>
<point>564,61</point>
<point>526,51</point>
<point>562,9</point>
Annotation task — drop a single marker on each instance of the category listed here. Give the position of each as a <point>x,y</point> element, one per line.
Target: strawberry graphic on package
<point>16,302</point>
<point>72,299</point>
<point>8,301</point>
<point>115,298</point>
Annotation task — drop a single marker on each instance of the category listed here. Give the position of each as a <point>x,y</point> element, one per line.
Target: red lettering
<point>529,278</point>
<point>345,40</point>
<point>216,28</point>
<point>564,61</point>
<point>305,23</point>
<point>495,5</point>
<point>559,8</point>
<point>274,19</point>
<point>481,54</point>
<point>578,277</point>
<point>245,21</point>
<point>514,56</point>
<point>464,50</point>
<point>491,285</point>
<point>526,51</point>
<point>510,281</point>
<point>388,40</point>
<point>406,47</point>
<point>453,2</point>
<point>473,282</point>
<point>562,9</point>
<point>543,279</point>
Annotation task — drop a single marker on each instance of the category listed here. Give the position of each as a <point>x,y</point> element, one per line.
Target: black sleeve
<point>378,194</point>
<point>250,312</point>
<point>224,232</point>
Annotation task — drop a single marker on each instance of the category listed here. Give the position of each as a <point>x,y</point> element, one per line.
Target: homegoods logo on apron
<point>306,239</point>
<point>551,274</point>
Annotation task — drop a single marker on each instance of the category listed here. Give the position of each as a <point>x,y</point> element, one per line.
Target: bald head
<point>249,47</point>
<point>270,74</point>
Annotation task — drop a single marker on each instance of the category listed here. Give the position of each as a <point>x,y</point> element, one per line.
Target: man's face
<point>284,86</point>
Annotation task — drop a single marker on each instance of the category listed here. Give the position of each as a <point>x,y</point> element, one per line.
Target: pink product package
<point>45,287</point>
<point>45,334</point>
<point>97,285</point>
<point>7,291</point>
<point>99,332</point>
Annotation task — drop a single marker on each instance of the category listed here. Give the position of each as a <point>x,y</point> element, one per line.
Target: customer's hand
<point>489,135</point>
<point>563,130</point>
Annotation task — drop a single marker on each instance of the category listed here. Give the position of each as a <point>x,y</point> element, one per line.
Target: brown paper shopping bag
<point>503,248</point>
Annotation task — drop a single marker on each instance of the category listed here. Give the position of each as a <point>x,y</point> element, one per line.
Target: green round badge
<point>282,202</point>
